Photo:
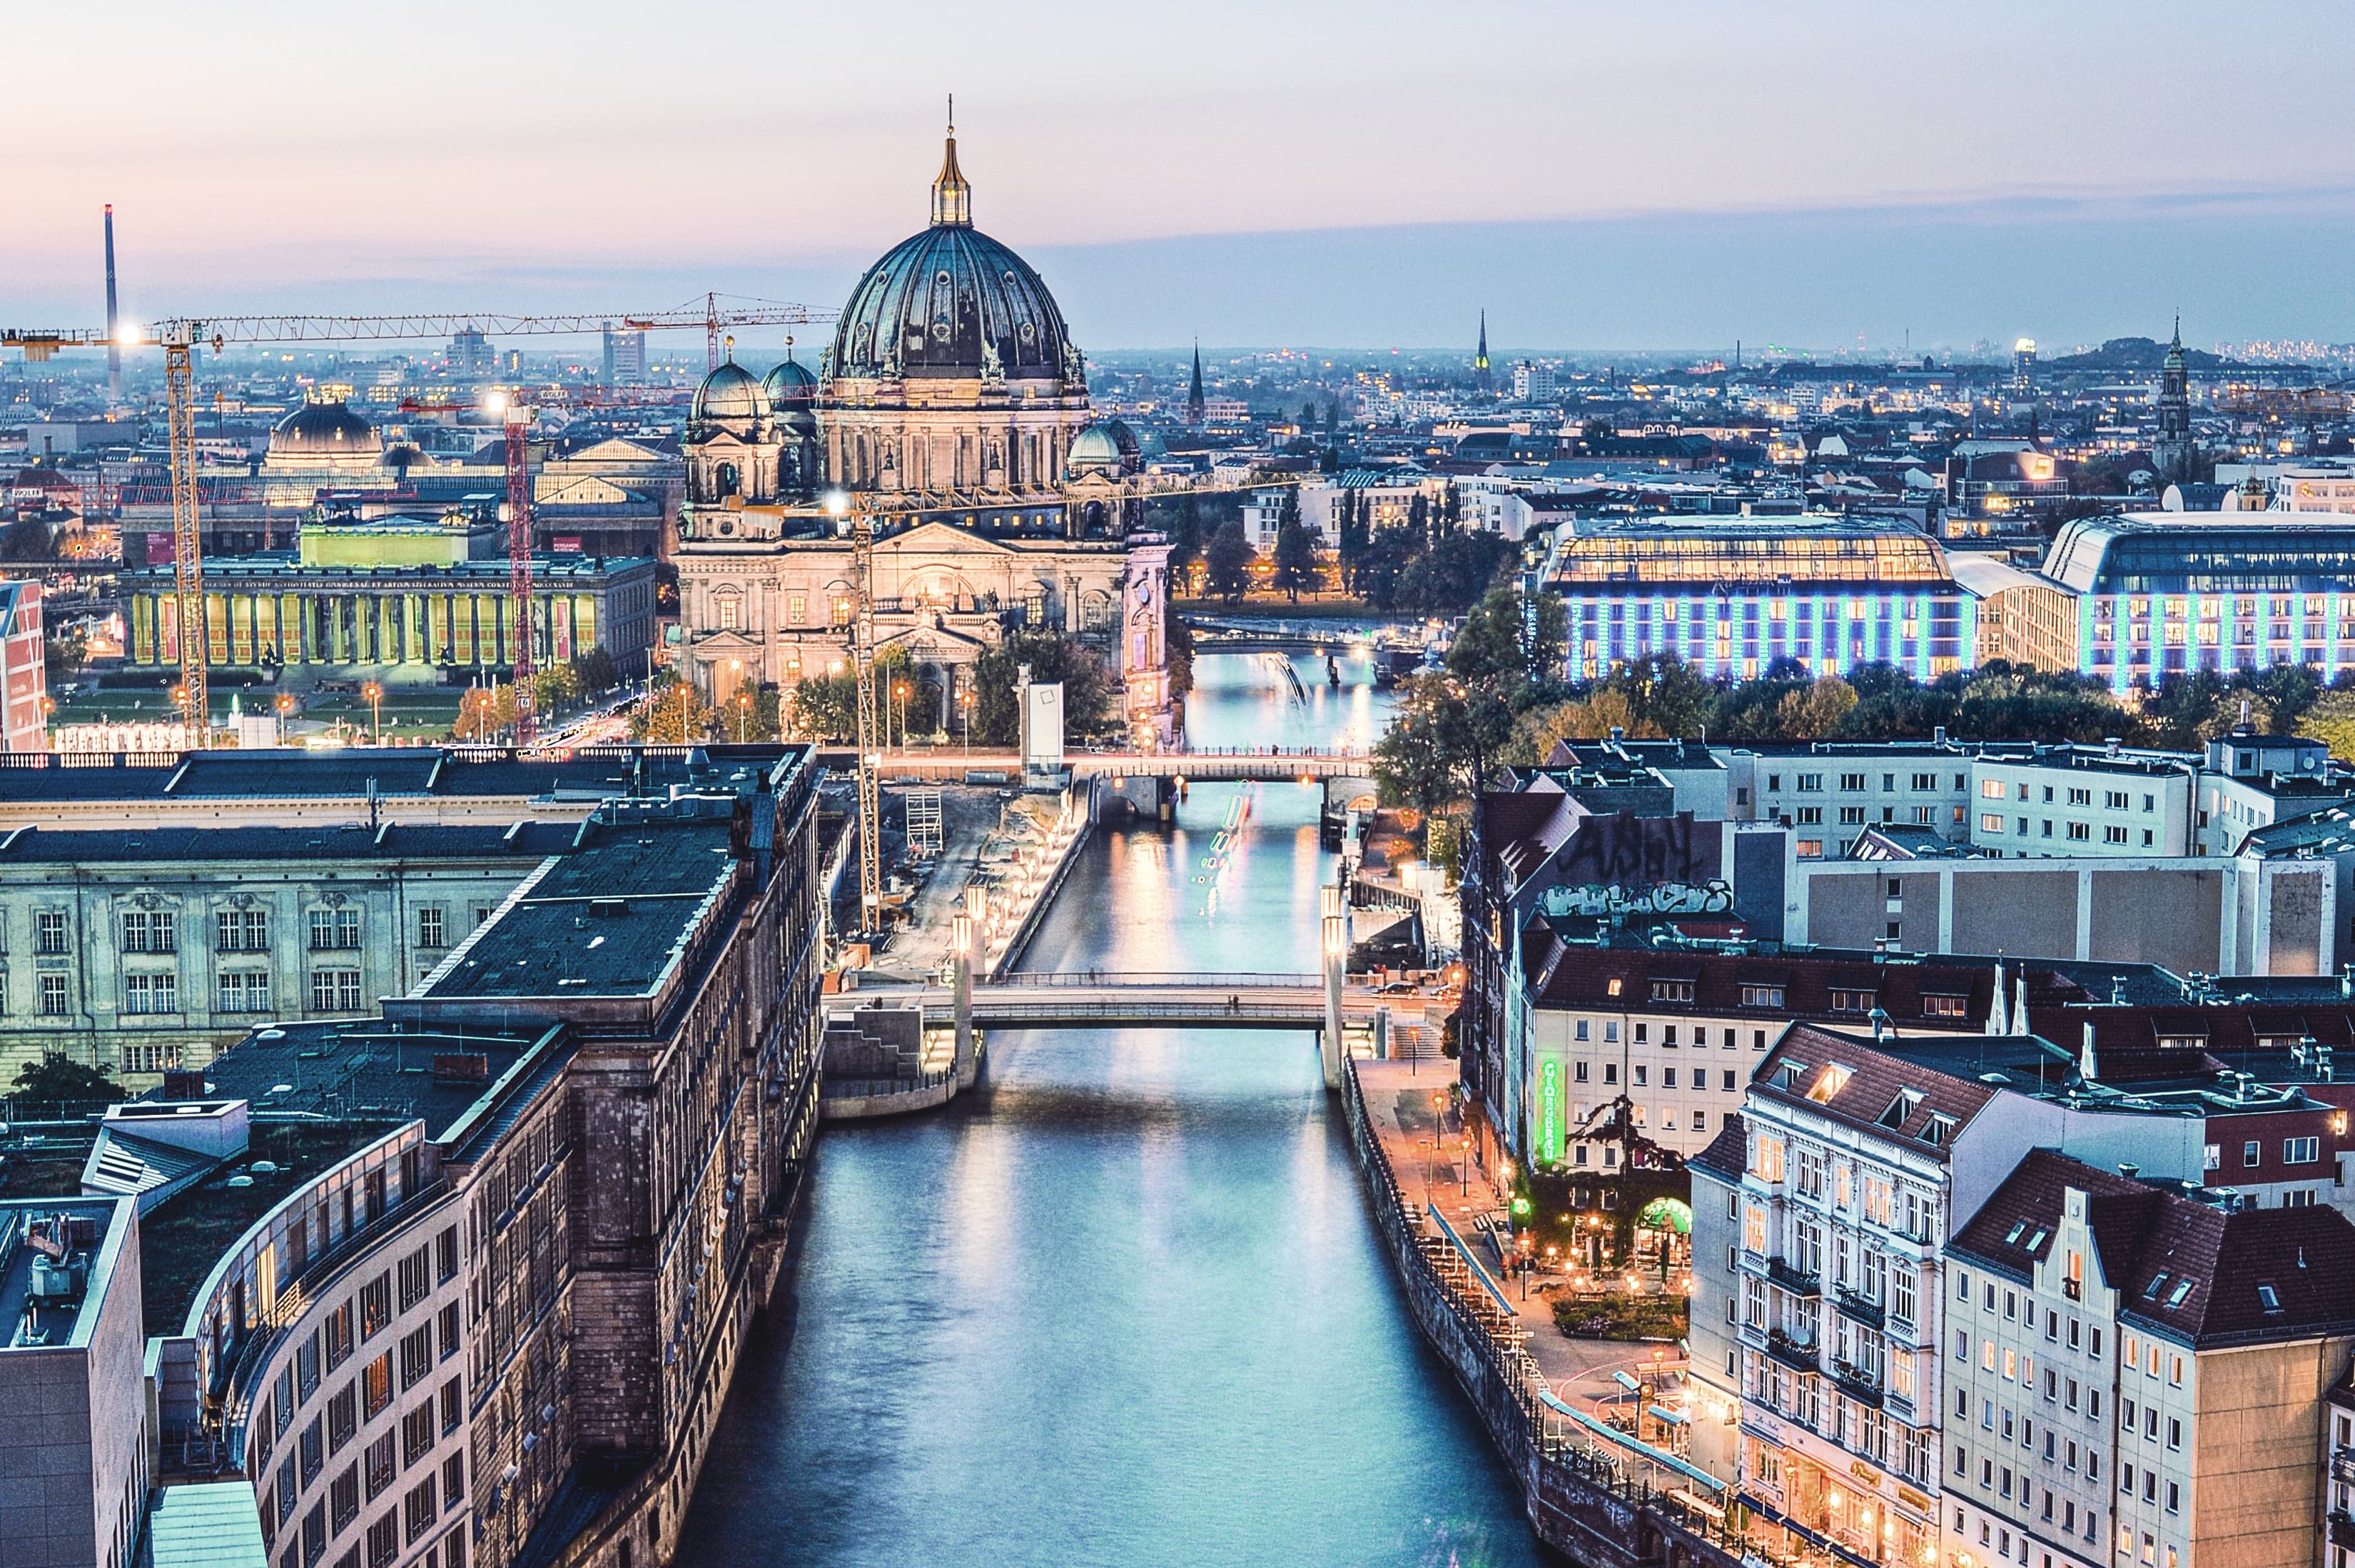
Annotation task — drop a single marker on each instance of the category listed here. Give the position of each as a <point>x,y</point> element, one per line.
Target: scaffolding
<point>924,838</point>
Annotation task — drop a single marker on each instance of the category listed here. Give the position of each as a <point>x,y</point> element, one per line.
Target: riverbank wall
<point>1596,1508</point>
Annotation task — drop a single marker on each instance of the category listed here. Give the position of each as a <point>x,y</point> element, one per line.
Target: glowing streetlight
<point>375,695</point>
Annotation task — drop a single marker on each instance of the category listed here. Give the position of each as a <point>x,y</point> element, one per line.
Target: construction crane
<point>178,337</point>
<point>871,758</point>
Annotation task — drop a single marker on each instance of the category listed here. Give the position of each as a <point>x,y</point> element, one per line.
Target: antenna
<point>113,345</point>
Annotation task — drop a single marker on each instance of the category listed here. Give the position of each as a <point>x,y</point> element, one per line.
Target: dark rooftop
<point>610,921</point>
<point>372,1070</point>
<point>388,841</point>
<point>590,772</point>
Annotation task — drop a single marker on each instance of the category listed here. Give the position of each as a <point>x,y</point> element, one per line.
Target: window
<point>1762,996</point>
<point>343,1496</point>
<point>417,1432</point>
<point>1851,815</point>
<point>1810,782</point>
<point>2076,797</point>
<point>243,991</point>
<point>1935,1006</point>
<point>2113,835</point>
<point>1991,789</point>
<point>384,1540</point>
<point>416,1278</point>
<point>2080,832</point>
<point>51,935</point>
<point>151,993</point>
<point>146,931</point>
<point>1991,821</point>
<point>1809,849</point>
<point>343,1417</point>
<point>53,996</point>
<point>454,1481</point>
<point>334,930</point>
<point>339,1328</point>
<point>380,1464</point>
<point>241,931</point>
<point>376,1380</point>
<point>416,1356</point>
<point>1852,1001</point>
<point>1807,817</point>
<point>453,1404</point>
<point>429,927</point>
<point>445,1256</point>
<point>2252,1153</point>
<point>334,990</point>
<point>1672,990</point>
<point>2300,1151</point>
<point>1851,780</point>
<point>376,1305</point>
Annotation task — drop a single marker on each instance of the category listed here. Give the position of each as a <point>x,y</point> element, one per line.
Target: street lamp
<point>375,693</point>
<point>743,706</point>
<point>900,696</point>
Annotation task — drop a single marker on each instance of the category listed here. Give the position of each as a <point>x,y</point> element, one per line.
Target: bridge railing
<point>1081,1010</point>
<point>1190,979</point>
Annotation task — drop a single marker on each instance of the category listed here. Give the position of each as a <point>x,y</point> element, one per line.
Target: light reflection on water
<point>1123,1305</point>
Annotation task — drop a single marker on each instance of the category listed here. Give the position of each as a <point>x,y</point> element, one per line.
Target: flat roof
<point>612,920</point>
<point>46,1312</point>
<point>391,841</point>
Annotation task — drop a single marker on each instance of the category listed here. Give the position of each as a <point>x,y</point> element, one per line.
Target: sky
<point>1679,173</point>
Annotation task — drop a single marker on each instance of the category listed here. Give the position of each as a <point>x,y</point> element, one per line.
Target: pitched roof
<point>1727,1154</point>
<point>1853,1080</point>
<point>2183,1264</point>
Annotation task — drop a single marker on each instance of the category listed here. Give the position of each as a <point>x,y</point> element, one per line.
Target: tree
<point>484,714</point>
<point>64,654</point>
<point>674,712</point>
<point>1295,556</point>
<point>1665,693</point>
<point>1382,567</point>
<point>1814,712</point>
<point>1355,537</point>
<point>2330,719</point>
<point>29,539</point>
<point>1445,740</point>
<point>826,707</point>
<point>1450,576</point>
<point>1187,534</point>
<point>595,670</point>
<point>1226,563</point>
<point>554,686</point>
<point>1087,691</point>
<point>1489,646</point>
<point>54,1080</point>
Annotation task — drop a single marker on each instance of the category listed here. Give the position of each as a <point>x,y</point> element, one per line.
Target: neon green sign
<point>1549,1112</point>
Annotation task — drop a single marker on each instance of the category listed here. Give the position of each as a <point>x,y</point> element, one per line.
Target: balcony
<point>1859,1384</point>
<point>1856,1306</point>
<point>1801,1355</point>
<point>2342,1529</point>
<point>1792,1279</point>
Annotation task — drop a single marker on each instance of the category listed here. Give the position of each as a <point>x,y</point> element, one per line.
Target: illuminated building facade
<point>1732,596</point>
<point>2162,593</point>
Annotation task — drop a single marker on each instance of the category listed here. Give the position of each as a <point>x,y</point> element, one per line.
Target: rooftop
<point>55,1254</point>
<point>612,920</point>
<point>388,841</point>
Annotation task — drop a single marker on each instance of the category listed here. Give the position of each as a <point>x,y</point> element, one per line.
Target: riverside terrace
<point>361,783</point>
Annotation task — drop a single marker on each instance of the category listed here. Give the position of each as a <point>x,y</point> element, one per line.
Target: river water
<point>1123,1305</point>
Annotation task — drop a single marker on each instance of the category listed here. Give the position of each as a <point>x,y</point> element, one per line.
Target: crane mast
<point>179,336</point>
<point>871,760</point>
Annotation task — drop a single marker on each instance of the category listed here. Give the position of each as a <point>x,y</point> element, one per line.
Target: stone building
<point>500,1328</point>
<point>395,597</point>
<point>952,408</point>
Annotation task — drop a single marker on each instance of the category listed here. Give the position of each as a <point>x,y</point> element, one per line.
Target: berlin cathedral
<point>952,408</point>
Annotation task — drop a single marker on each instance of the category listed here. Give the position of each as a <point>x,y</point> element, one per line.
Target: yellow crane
<point>179,336</point>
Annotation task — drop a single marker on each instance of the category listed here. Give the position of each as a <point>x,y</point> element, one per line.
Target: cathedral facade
<point>952,410</point>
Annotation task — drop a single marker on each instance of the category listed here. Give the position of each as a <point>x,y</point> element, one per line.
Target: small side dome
<point>1096,450</point>
<point>730,392</point>
<point>790,385</point>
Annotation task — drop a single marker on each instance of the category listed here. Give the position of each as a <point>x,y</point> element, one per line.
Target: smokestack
<point>113,347</point>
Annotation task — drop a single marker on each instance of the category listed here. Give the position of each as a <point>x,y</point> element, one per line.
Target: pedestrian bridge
<point>1214,766</point>
<point>1110,999</point>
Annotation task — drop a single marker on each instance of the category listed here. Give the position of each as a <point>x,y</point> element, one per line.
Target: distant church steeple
<point>952,196</point>
<point>1194,401</point>
<point>1480,355</point>
<point>2173,450</point>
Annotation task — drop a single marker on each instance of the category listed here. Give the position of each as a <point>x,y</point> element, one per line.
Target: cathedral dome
<point>952,302</point>
<point>790,384</point>
<point>730,392</point>
<point>324,430</point>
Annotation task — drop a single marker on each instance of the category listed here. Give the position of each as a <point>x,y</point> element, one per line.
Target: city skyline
<point>1836,175</point>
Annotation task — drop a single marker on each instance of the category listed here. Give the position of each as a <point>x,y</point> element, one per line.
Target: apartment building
<point>2140,1373</point>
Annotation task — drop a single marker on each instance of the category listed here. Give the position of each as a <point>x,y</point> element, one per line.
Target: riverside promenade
<point>1594,1494</point>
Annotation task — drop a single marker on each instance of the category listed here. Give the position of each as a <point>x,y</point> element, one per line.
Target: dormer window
<point>1939,1132</point>
<point>2018,1229</point>
<point>1672,990</point>
<point>2157,1284</point>
<point>2182,1288</point>
<point>1944,1006</point>
<point>1852,1001</point>
<point>1834,1080</point>
<point>1791,1074</point>
<point>1901,1110</point>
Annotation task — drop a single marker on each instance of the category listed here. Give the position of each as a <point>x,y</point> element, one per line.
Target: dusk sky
<point>1359,175</point>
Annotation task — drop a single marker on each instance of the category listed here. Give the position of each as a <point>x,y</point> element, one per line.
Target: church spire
<point>1480,355</point>
<point>952,196</point>
<point>1194,400</point>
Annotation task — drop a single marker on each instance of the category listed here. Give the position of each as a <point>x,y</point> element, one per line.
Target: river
<point>1123,1305</point>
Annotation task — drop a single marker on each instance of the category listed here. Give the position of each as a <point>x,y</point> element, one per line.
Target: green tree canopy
<point>1226,563</point>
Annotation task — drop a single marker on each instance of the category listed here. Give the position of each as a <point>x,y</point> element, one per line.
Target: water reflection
<point>1123,1306</point>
